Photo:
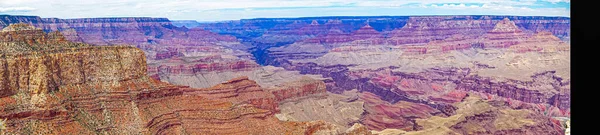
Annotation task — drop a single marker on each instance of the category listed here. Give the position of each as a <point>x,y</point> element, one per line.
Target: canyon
<point>312,75</point>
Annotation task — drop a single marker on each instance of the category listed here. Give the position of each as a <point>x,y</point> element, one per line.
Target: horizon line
<point>258,18</point>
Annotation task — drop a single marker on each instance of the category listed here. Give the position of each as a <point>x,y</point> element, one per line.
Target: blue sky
<point>217,10</point>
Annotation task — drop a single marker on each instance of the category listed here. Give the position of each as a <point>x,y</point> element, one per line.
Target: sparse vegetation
<point>2,126</point>
<point>568,129</point>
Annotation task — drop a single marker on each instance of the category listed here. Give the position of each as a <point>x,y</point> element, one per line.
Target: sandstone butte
<point>51,86</point>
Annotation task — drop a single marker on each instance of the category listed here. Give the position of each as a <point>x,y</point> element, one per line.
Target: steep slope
<point>64,89</point>
<point>419,65</point>
<point>474,116</point>
<point>380,115</point>
<point>531,73</point>
<point>504,34</point>
<point>342,110</point>
<point>416,35</point>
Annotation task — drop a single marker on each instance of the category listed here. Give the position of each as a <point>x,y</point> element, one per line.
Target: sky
<point>220,10</point>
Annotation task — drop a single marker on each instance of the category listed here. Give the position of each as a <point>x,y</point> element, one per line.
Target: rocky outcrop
<point>66,89</point>
<point>109,31</point>
<point>298,88</point>
<point>437,86</point>
<point>138,108</point>
<point>6,20</point>
<point>240,90</point>
<point>454,42</point>
<point>475,116</point>
<point>205,67</point>
<point>421,30</point>
<point>504,34</point>
<point>41,72</point>
<point>279,55</point>
<point>339,109</point>
<point>127,30</point>
<point>335,35</point>
<point>185,23</point>
<point>382,115</point>
<point>541,42</point>
<point>557,25</point>
<point>38,63</point>
<point>420,35</point>
<point>25,33</point>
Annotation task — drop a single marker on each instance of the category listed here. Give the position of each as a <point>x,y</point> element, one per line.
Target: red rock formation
<point>198,67</point>
<point>562,100</point>
<point>336,35</point>
<point>149,108</point>
<point>475,116</point>
<point>381,114</point>
<point>22,32</point>
<point>504,34</point>
<point>6,20</point>
<point>66,89</point>
<point>131,30</point>
<point>106,31</point>
<point>385,80</point>
<point>454,42</point>
<point>414,49</point>
<point>450,97</point>
<point>539,42</point>
<point>421,30</point>
<point>240,90</point>
<point>368,33</point>
<point>298,88</point>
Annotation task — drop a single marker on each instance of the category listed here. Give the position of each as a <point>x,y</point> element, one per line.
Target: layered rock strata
<point>445,77</point>
<point>65,89</point>
<point>380,115</point>
<point>474,116</point>
<point>341,110</point>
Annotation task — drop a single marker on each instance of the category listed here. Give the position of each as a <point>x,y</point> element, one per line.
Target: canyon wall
<point>409,73</point>
<point>71,88</point>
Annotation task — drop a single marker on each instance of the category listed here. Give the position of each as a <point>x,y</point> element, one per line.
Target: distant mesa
<point>19,27</point>
<point>314,22</point>
<point>506,25</point>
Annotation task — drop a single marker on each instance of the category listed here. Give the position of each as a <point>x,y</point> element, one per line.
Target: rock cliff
<point>66,89</point>
<point>412,73</point>
<point>474,116</point>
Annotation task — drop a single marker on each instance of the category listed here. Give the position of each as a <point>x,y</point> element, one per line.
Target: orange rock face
<point>381,114</point>
<point>539,42</point>
<point>21,32</point>
<point>105,90</point>
<point>504,34</point>
<point>240,90</point>
<point>299,88</point>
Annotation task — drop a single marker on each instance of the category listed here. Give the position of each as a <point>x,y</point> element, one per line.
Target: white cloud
<point>235,9</point>
<point>16,9</point>
<point>228,4</point>
<point>557,1</point>
<point>500,9</point>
